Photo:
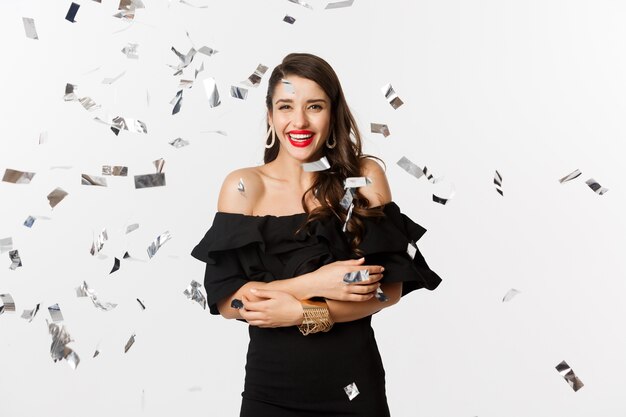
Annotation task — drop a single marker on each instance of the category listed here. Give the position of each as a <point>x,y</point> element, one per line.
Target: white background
<point>534,89</point>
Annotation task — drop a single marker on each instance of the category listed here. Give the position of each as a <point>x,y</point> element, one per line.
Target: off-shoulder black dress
<point>288,374</point>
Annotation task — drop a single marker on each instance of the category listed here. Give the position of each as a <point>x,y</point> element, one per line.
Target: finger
<point>255,305</point>
<point>361,297</point>
<point>265,293</point>
<point>364,289</point>
<point>353,261</point>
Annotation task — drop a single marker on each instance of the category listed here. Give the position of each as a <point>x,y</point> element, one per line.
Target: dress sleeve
<point>220,249</point>
<point>386,241</point>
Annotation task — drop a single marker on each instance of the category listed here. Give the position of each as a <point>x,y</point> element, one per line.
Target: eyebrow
<point>288,100</point>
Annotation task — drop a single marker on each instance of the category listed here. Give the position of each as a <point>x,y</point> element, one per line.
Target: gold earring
<point>270,132</point>
<point>334,142</point>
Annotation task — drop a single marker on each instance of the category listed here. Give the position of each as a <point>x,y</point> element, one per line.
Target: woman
<point>284,243</point>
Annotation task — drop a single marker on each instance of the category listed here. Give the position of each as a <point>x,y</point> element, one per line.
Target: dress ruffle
<point>240,248</point>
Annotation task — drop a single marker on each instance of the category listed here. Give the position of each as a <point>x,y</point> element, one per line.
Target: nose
<point>300,119</point>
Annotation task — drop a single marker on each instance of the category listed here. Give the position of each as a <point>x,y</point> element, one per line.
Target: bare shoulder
<point>378,192</point>
<point>240,191</point>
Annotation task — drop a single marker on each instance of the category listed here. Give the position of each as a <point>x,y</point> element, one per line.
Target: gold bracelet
<point>316,317</point>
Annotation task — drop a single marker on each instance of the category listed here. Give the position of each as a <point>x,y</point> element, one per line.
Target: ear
<point>269,118</point>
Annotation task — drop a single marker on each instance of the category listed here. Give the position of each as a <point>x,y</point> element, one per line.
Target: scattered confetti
<point>380,128</point>
<point>16,261</point>
<point>289,19</point>
<point>29,221</point>
<point>55,313</point>
<point>17,177</point>
<point>126,255</point>
<point>381,296</point>
<point>177,102</point>
<point>255,79</point>
<point>356,182</point>
<point>70,92</point>
<point>440,200</point>
<point>8,305</point>
<point>213,95</point>
<point>71,13</point>
<point>510,294</point>
<point>193,293</point>
<point>238,92</point>
<point>391,96</point>
<point>116,170</point>
<point>6,244</point>
<point>302,3</point>
<point>132,227</point>
<point>410,167</point>
<point>236,303</point>
<point>339,4</point>
<point>29,28</point>
<point>570,176</point>
<point>597,188</point>
<point>93,180</point>
<point>321,165</point>
<point>241,187</point>
<point>348,216</point>
<point>96,353</point>
<point>127,9</point>
<point>130,50</point>
<point>30,314</point>
<point>150,180</point>
<point>56,196</point>
<point>351,391</point>
<point>116,266</point>
<point>98,242</point>
<point>85,291</point>
<point>288,86</point>
<point>110,81</point>
<point>347,198</point>
<point>356,276</point>
<point>497,180</point>
<point>141,304</point>
<point>159,164</point>
<point>179,143</point>
<point>120,123</point>
<point>411,249</point>
<point>59,349</point>
<point>130,342</point>
<point>568,374</point>
<point>43,138</point>
<point>157,243</point>
<point>88,103</point>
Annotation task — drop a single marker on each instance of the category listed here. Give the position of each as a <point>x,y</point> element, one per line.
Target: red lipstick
<point>300,138</point>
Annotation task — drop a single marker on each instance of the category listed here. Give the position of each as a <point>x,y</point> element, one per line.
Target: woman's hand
<point>328,281</point>
<point>270,308</point>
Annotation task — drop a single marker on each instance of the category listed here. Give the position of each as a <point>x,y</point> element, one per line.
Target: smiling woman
<point>305,261</point>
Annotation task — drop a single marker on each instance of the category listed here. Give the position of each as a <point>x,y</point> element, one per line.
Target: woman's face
<point>301,117</point>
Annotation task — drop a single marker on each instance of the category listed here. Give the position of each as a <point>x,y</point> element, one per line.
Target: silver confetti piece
<point>126,255</point>
<point>127,9</point>
<point>179,143</point>
<point>219,132</point>
<point>55,313</point>
<point>150,180</point>
<point>430,177</point>
<point>159,164</point>
<point>410,167</point>
<point>288,86</point>
<point>130,50</point>
<point>339,4</point>
<point>381,296</point>
<point>43,138</point>
<point>8,304</point>
<point>130,342</point>
<point>116,170</point>
<point>497,180</point>
<point>88,103</point>
<point>16,261</point>
<point>356,276</point>
<point>289,19</point>
<point>379,128</point>
<point>141,304</point>
<point>315,166</point>
<point>71,13</point>
<point>568,374</point>
<point>6,244</point>
<point>193,293</point>
<point>93,180</point>
<point>177,101</point>
<point>440,200</point>
<point>347,198</point>
<point>570,176</point>
<point>70,92</point>
<point>158,242</point>
<point>183,84</point>
<point>208,51</point>
<point>188,3</point>
<point>213,95</point>
<point>116,265</point>
<point>255,79</point>
<point>59,349</point>
<point>411,249</point>
<point>351,391</point>
<point>510,294</point>
<point>98,242</point>
<point>199,70</point>
<point>132,227</point>
<point>444,199</point>
<point>56,196</point>
<point>597,188</point>
<point>391,96</point>
<point>302,3</point>
<point>110,81</point>
<point>96,353</point>
<point>124,123</point>
<point>348,216</point>
<point>17,177</point>
<point>238,92</point>
<point>185,59</point>
<point>30,314</point>
<point>236,304</point>
<point>29,221</point>
<point>241,187</point>
<point>29,28</point>
<point>85,291</point>
<point>356,182</point>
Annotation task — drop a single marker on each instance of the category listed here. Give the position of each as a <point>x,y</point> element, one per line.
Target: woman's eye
<point>283,107</point>
<point>316,107</point>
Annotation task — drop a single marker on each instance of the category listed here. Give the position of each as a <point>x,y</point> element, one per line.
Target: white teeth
<point>295,136</point>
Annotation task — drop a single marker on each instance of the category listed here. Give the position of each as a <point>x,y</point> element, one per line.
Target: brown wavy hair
<point>345,158</point>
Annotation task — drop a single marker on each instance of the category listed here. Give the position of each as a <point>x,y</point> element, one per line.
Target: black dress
<point>288,374</point>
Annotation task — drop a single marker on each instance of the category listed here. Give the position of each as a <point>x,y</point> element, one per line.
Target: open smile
<point>300,138</point>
